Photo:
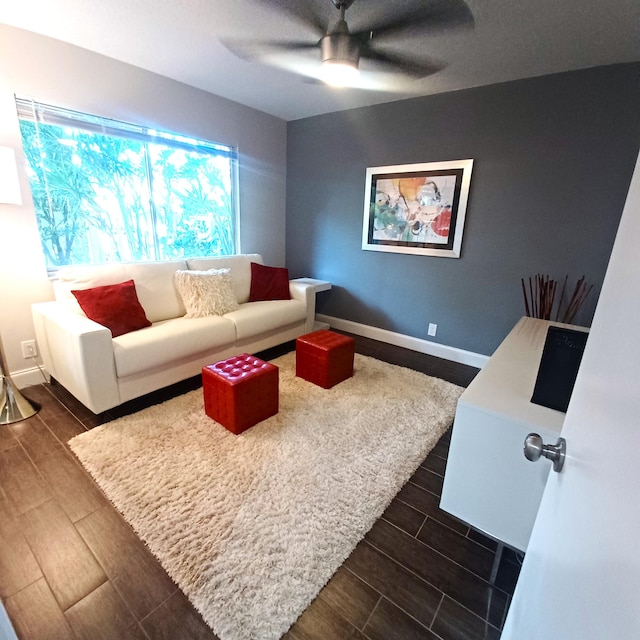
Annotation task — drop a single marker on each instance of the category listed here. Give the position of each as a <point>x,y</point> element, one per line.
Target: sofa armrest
<point>78,353</point>
<point>305,293</point>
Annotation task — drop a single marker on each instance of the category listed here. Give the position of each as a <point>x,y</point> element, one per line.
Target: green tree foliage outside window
<point>101,197</point>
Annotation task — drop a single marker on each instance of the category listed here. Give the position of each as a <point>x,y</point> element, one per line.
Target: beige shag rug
<point>251,527</point>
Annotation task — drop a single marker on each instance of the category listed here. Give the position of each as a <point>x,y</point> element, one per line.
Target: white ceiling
<point>180,39</point>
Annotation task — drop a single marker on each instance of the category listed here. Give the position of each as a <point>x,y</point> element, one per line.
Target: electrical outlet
<point>29,349</point>
<point>432,329</point>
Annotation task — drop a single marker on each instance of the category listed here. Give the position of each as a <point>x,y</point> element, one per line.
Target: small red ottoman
<point>240,391</point>
<point>324,358</point>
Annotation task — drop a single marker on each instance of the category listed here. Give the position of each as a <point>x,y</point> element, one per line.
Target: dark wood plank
<point>176,619</point>
<point>395,582</point>
<point>352,598</point>
<point>7,439</point>
<point>508,574</point>
<point>442,448</point>
<point>321,622</point>
<point>73,487</point>
<point>388,622</point>
<point>480,538</point>
<point>35,614</point>
<point>103,615</point>
<point>18,565</point>
<point>21,483</point>
<point>429,504</point>
<point>446,436</point>
<point>441,572</point>
<point>133,569</point>
<point>459,548</point>
<point>454,622</point>
<point>64,426</point>
<point>42,396</point>
<point>428,480</point>
<point>67,563</point>
<point>35,438</point>
<point>435,463</point>
<point>74,406</point>
<point>403,516</point>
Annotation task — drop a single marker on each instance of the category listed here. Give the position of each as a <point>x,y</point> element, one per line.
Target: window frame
<point>43,113</point>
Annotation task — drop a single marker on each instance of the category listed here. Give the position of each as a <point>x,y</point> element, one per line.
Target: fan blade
<point>301,10</point>
<point>404,64</point>
<point>250,49</point>
<point>436,16</point>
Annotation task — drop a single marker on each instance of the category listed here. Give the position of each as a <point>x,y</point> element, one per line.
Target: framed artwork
<point>416,208</point>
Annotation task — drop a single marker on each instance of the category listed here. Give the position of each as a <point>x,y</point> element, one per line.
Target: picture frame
<point>416,208</point>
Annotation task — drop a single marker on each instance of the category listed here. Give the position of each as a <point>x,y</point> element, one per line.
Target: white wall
<point>64,75</point>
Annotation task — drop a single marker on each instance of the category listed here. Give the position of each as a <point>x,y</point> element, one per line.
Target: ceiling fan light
<point>339,74</point>
<point>340,58</point>
<point>339,48</point>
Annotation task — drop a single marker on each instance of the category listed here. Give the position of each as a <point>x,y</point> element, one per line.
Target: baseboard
<point>28,377</point>
<point>408,342</point>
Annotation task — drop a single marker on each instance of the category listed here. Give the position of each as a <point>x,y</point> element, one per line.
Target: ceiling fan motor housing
<point>339,47</point>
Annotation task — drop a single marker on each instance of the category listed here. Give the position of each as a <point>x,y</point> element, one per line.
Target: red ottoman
<point>240,391</point>
<point>324,358</point>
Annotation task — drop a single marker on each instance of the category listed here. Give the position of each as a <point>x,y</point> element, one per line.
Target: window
<point>109,191</point>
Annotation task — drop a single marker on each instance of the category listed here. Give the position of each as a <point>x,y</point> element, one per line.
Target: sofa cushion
<point>156,289</point>
<point>239,265</point>
<point>154,285</point>
<point>206,293</point>
<point>254,318</point>
<point>85,277</point>
<point>269,283</point>
<point>114,306</point>
<point>170,341</point>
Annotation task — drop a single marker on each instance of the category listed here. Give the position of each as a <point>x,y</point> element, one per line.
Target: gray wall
<point>553,158</point>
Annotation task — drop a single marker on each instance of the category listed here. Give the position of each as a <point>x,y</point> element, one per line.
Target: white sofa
<point>103,372</point>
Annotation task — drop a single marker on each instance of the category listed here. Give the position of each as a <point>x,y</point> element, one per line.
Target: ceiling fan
<point>341,49</point>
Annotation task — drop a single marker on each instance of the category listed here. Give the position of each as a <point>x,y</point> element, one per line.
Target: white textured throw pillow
<point>206,293</point>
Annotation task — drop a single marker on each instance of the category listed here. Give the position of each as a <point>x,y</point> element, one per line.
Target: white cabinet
<point>488,482</point>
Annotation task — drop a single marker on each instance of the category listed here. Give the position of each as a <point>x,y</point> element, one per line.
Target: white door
<point>581,576</point>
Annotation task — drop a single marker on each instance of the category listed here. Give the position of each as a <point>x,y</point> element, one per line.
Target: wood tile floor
<point>72,568</point>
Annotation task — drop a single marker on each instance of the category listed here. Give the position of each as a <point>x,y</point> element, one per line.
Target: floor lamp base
<point>13,405</point>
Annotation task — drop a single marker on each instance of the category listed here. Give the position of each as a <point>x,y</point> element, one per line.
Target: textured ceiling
<point>180,39</point>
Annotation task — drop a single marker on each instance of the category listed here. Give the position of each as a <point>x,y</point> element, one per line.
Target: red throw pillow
<point>115,306</point>
<point>269,283</point>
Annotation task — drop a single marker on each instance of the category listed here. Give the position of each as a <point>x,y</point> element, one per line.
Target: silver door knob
<point>534,448</point>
